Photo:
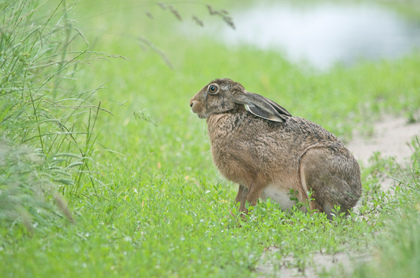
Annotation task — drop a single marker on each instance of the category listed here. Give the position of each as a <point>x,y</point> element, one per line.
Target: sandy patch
<point>319,263</point>
<point>391,137</point>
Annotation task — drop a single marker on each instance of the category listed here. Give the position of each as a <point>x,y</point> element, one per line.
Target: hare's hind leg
<point>334,178</point>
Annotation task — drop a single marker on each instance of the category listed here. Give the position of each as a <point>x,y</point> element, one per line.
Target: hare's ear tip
<point>277,119</point>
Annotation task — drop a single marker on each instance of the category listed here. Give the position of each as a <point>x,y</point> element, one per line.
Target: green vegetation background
<point>95,111</point>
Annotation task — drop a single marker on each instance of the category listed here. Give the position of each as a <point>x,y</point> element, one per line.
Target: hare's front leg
<point>249,195</point>
<point>241,197</point>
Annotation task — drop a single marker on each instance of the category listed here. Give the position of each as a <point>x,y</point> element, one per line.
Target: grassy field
<point>93,115</point>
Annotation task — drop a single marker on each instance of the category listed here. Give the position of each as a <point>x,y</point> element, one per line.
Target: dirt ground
<point>391,137</point>
<point>322,262</point>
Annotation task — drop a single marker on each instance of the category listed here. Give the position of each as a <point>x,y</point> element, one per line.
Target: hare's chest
<point>231,166</point>
<point>234,163</point>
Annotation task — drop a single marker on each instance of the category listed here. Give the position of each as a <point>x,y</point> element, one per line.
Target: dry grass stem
<point>198,21</point>
<point>223,14</point>
<point>149,15</point>
<point>62,205</point>
<point>163,6</point>
<point>156,50</point>
<point>175,12</point>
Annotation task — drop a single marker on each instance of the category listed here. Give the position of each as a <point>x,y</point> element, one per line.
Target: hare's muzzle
<point>195,106</point>
<point>198,108</point>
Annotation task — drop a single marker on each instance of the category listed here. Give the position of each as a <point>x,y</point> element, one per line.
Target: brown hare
<point>259,145</point>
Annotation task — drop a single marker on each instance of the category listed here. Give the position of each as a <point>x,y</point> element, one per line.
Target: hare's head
<point>223,95</point>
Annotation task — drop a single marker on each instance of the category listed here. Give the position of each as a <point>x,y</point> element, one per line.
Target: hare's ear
<point>262,107</point>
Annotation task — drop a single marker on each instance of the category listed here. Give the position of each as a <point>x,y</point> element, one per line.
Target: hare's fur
<point>268,158</point>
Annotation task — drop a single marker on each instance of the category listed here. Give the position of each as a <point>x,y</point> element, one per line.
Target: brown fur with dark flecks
<point>259,145</point>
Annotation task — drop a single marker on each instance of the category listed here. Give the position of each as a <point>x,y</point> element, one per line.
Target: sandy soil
<point>391,137</point>
<point>322,262</point>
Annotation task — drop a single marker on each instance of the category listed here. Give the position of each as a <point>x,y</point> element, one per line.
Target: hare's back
<point>308,131</point>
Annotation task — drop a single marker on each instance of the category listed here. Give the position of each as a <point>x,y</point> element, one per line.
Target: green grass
<point>146,198</point>
<point>397,248</point>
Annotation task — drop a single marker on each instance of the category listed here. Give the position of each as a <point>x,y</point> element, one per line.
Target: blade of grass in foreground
<point>44,113</point>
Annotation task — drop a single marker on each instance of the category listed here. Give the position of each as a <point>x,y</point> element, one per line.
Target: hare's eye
<point>212,89</point>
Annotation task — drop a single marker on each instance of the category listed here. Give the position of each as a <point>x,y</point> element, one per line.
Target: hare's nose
<point>191,103</point>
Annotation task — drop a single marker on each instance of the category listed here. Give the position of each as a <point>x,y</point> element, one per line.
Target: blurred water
<point>326,33</point>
